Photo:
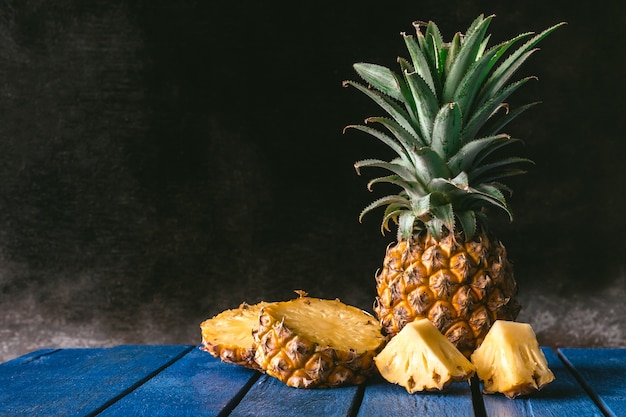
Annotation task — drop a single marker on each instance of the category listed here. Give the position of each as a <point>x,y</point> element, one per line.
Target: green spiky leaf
<point>425,102</point>
<point>381,78</point>
<point>471,82</point>
<point>445,214</point>
<point>430,165</point>
<point>494,196</point>
<point>447,130</point>
<point>498,169</point>
<point>394,166</point>
<point>405,225</point>
<point>474,152</point>
<point>413,190</point>
<point>420,63</point>
<point>408,141</point>
<point>387,104</point>
<point>465,58</point>
<point>468,221</point>
<point>385,201</point>
<point>400,148</point>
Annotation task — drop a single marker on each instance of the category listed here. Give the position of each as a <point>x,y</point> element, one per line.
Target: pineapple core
<point>420,358</point>
<point>510,361</point>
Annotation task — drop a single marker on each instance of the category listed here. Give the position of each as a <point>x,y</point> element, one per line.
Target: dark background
<point>162,161</point>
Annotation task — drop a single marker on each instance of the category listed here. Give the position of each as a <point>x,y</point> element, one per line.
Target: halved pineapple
<point>228,335</point>
<point>510,361</point>
<point>311,342</point>
<point>420,358</point>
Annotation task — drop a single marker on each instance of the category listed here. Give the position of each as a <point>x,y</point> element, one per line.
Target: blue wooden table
<point>185,381</point>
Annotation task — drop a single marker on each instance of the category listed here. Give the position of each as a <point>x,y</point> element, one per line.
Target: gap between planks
<point>583,383</point>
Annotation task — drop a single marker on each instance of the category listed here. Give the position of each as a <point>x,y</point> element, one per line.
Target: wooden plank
<point>603,372</point>
<point>78,382</point>
<point>195,385</point>
<point>269,397</point>
<point>382,398</point>
<point>564,397</point>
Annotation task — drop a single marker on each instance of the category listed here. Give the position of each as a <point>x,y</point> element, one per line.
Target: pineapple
<point>310,342</point>
<point>228,335</point>
<point>420,358</point>
<point>510,360</point>
<point>445,111</point>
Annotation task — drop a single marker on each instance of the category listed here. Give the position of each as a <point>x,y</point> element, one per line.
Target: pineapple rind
<point>420,358</point>
<point>510,362</point>
<point>228,335</point>
<point>310,342</point>
<point>461,287</point>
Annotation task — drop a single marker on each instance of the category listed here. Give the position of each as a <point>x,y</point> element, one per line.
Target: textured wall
<point>161,161</point>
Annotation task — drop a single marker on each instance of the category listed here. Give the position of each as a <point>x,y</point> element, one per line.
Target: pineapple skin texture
<point>228,335</point>
<point>420,358</point>
<point>294,354</point>
<point>461,287</point>
<point>510,361</point>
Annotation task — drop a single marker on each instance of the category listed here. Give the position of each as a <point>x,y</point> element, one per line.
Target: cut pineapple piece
<point>510,361</point>
<point>228,335</point>
<point>420,358</point>
<point>310,342</point>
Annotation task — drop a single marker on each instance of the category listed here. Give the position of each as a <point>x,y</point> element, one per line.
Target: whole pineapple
<point>445,114</point>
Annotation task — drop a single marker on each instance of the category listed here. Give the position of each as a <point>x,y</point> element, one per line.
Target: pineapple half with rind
<point>420,358</point>
<point>510,361</point>
<point>311,342</point>
<point>228,335</point>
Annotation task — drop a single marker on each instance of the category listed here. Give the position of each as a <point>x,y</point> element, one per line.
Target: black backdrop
<point>161,161</point>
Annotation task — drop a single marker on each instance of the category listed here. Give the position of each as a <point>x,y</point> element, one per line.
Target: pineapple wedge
<point>228,335</point>
<point>420,358</point>
<point>311,342</point>
<point>510,361</point>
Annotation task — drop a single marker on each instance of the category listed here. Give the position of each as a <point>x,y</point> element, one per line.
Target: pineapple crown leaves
<point>445,111</point>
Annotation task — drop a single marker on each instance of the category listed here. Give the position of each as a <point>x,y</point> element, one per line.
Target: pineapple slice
<point>228,335</point>
<point>310,342</point>
<point>510,361</point>
<point>420,358</point>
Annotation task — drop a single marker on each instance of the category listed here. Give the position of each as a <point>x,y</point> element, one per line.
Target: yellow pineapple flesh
<point>462,287</point>
<point>228,335</point>
<point>311,342</point>
<point>510,361</point>
<point>420,358</point>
